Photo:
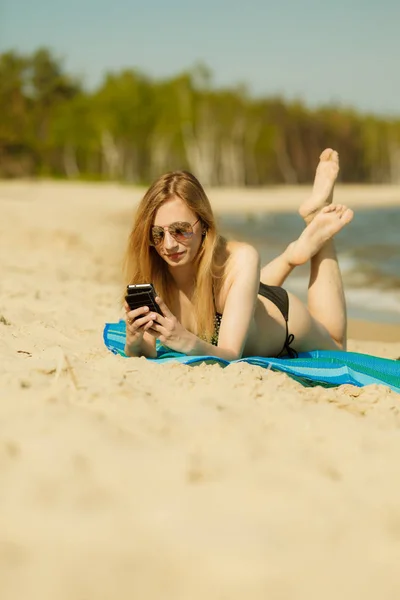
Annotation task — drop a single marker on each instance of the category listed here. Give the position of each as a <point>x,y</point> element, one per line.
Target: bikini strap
<point>213,297</point>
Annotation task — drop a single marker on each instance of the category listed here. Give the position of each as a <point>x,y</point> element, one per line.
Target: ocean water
<point>368,252</point>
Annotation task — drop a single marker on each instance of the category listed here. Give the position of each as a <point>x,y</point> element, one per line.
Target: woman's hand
<point>169,330</point>
<point>137,322</point>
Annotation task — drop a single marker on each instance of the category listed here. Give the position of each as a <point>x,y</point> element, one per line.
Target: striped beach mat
<point>320,367</point>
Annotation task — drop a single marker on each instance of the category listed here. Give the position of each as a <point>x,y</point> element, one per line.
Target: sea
<point>368,253</point>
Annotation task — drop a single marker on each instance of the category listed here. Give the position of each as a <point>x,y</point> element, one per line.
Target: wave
<point>383,274</point>
<point>374,299</point>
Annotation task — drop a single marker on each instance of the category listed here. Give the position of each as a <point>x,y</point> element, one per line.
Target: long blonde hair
<point>142,263</point>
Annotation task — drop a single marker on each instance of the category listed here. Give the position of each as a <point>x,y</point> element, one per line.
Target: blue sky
<point>347,51</point>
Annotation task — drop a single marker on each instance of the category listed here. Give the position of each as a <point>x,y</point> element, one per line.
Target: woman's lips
<point>176,255</point>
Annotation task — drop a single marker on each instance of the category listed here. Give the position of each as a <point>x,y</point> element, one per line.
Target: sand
<point>124,479</point>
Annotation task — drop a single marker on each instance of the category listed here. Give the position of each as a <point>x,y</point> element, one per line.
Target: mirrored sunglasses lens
<point>157,236</point>
<point>182,231</point>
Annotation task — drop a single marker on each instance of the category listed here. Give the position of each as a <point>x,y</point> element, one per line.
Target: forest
<point>131,128</point>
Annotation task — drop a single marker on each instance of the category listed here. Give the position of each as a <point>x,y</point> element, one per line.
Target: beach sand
<point>121,479</point>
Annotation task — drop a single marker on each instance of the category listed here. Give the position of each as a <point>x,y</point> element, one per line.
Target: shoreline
<point>362,330</point>
<point>276,198</point>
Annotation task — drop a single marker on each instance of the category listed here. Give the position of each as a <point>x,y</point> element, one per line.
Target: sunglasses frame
<point>167,228</point>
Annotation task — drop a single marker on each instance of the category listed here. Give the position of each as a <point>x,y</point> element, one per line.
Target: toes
<point>329,154</point>
<point>340,210</point>
<point>334,157</point>
<point>326,154</point>
<point>347,215</point>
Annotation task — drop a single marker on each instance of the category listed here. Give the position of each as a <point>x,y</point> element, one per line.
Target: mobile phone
<point>142,294</point>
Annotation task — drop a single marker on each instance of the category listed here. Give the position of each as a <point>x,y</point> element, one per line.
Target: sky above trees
<point>346,53</point>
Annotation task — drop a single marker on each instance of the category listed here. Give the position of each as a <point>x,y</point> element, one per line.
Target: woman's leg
<point>276,272</point>
<point>321,325</point>
<point>326,300</point>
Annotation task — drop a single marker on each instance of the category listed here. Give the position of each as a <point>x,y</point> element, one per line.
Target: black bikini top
<point>217,325</point>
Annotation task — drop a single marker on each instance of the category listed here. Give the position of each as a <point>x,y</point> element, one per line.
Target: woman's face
<point>182,251</point>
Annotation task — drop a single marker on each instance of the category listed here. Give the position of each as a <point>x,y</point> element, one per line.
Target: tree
<point>133,128</point>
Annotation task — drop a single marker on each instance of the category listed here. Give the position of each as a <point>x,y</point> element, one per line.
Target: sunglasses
<point>180,231</point>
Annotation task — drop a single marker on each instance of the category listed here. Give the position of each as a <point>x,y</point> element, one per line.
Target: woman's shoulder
<point>242,253</point>
<point>242,260</point>
<point>242,257</point>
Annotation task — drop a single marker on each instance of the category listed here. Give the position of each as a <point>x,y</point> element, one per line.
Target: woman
<point>214,297</point>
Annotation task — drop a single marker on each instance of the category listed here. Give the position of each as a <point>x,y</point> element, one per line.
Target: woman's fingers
<point>132,315</point>
<point>148,325</point>
<point>153,333</point>
<point>136,324</point>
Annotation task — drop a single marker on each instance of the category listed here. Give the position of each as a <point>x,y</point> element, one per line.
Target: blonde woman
<point>215,298</point>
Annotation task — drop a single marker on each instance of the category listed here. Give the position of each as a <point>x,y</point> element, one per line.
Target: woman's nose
<point>169,241</point>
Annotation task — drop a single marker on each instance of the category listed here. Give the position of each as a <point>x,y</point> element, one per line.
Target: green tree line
<point>132,128</point>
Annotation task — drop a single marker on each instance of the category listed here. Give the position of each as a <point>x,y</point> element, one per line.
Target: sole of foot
<point>325,225</point>
<point>324,182</point>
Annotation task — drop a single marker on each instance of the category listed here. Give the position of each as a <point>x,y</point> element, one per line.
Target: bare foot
<point>328,222</point>
<point>322,193</point>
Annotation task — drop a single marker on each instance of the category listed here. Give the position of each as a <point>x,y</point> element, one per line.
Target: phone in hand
<point>142,294</point>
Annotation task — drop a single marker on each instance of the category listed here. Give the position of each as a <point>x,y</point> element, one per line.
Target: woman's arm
<point>244,275</point>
